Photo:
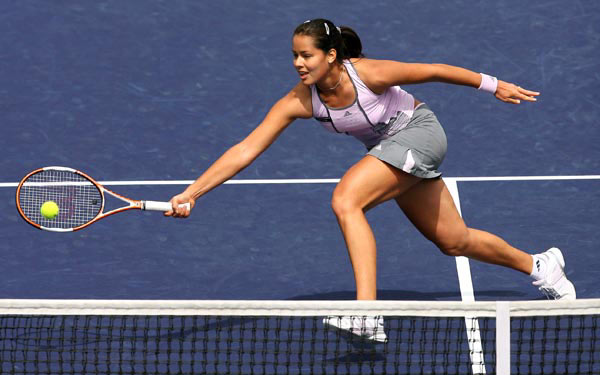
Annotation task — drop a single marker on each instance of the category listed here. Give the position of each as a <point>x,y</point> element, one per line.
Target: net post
<point>502,338</point>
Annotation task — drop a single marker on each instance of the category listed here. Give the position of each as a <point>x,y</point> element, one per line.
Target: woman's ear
<point>331,56</point>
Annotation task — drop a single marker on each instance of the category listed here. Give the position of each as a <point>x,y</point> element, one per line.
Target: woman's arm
<point>381,74</point>
<point>296,104</point>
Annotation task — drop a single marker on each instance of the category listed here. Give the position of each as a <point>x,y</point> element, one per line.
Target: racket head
<point>80,199</point>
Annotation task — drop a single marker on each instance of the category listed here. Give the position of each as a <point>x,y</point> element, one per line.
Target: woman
<point>348,93</point>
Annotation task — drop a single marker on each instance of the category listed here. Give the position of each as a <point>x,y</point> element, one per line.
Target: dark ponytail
<point>327,36</point>
<point>352,44</point>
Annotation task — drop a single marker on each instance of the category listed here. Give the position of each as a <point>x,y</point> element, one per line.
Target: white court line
<point>333,180</point>
<point>467,294</point>
<point>232,182</point>
<point>526,178</point>
<point>462,263</point>
<point>187,182</point>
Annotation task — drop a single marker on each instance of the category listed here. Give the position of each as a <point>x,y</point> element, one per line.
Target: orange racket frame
<point>132,204</point>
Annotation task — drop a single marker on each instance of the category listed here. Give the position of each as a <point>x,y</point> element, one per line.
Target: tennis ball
<point>49,210</point>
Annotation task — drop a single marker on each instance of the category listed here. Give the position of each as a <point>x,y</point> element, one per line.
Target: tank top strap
<point>320,112</point>
<point>360,85</point>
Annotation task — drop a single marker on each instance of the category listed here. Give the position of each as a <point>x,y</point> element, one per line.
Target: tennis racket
<point>80,198</point>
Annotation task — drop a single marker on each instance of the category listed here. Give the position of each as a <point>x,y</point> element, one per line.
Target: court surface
<point>144,95</point>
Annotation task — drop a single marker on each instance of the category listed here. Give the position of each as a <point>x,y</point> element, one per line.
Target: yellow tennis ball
<point>49,210</point>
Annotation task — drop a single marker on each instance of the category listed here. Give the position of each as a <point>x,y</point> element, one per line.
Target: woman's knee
<point>343,203</point>
<point>457,244</point>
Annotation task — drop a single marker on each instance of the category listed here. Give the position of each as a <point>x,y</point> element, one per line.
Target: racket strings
<point>78,199</point>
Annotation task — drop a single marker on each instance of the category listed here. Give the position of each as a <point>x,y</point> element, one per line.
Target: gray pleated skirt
<point>417,149</point>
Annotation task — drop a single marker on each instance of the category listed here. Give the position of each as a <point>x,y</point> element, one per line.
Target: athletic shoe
<point>364,327</point>
<point>555,283</point>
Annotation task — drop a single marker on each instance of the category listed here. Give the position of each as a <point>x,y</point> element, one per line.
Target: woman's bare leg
<point>366,184</point>
<point>429,206</point>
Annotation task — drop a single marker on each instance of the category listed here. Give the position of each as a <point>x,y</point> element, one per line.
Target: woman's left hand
<point>511,93</point>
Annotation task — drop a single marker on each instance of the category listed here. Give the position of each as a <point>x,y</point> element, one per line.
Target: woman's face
<point>311,63</point>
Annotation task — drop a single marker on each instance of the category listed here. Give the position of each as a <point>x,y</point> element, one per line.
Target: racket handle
<point>160,206</point>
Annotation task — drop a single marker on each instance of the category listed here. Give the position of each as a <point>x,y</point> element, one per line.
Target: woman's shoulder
<point>369,71</point>
<point>299,100</point>
<point>370,66</point>
<point>373,72</point>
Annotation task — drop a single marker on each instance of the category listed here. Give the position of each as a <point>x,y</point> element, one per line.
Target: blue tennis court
<point>138,92</point>
<point>145,95</point>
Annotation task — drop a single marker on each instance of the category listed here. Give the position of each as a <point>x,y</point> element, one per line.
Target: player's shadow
<point>408,295</point>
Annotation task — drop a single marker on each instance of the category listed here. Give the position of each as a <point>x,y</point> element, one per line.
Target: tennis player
<point>350,94</point>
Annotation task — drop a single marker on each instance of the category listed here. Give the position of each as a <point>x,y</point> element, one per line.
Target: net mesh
<point>79,200</point>
<point>556,345</point>
<point>269,338</point>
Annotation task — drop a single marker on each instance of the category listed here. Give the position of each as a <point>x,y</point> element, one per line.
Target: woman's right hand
<point>178,208</point>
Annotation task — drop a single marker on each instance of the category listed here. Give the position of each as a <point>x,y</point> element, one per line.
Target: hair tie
<point>326,28</point>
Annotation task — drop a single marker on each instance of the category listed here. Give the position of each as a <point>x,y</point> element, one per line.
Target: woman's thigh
<point>371,182</point>
<point>430,207</point>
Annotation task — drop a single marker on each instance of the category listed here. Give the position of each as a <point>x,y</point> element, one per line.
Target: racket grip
<point>160,206</point>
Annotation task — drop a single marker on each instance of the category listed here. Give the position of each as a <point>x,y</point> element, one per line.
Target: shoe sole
<point>571,295</point>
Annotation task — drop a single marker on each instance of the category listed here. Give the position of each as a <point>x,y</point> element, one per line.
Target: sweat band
<point>488,83</point>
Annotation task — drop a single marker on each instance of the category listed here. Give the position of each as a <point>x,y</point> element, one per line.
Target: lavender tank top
<point>371,117</point>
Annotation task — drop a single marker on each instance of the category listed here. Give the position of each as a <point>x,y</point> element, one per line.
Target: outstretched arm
<point>238,157</point>
<point>385,73</point>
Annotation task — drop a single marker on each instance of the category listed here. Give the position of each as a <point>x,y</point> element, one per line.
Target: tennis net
<point>289,337</point>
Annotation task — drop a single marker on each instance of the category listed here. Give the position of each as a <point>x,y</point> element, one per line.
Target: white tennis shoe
<point>365,327</point>
<point>555,283</point>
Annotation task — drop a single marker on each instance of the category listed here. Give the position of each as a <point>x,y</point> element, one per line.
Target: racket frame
<point>132,204</point>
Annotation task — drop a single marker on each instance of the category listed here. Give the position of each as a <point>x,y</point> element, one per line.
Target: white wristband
<point>488,83</point>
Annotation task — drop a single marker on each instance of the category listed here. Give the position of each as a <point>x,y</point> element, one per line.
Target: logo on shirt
<point>348,113</point>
